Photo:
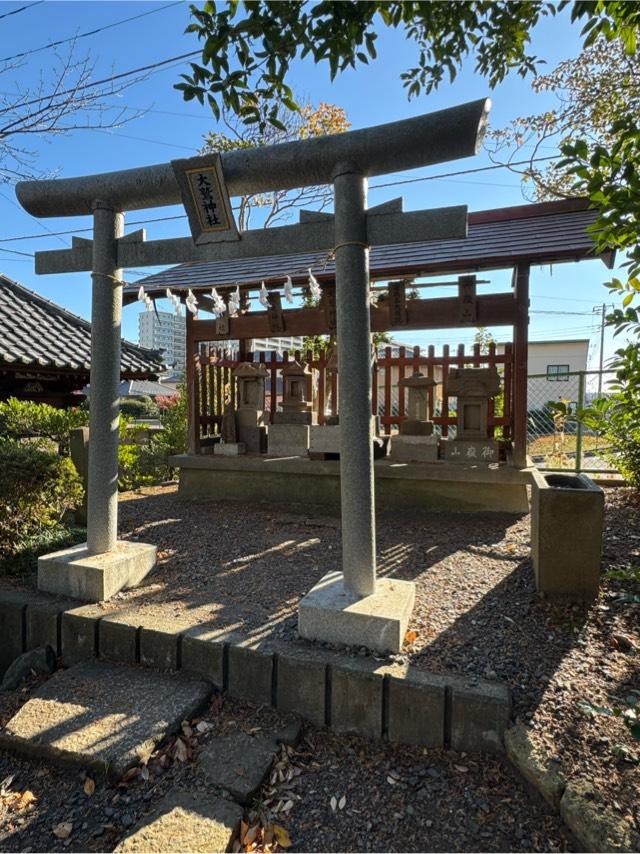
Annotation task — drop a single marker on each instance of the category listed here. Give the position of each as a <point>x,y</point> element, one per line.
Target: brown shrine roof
<point>544,233</point>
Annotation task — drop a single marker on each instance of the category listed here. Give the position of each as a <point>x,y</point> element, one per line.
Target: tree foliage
<point>593,91</point>
<point>309,122</point>
<point>248,48</point>
<point>610,176</point>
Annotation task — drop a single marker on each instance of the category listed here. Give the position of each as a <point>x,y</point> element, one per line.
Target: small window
<point>558,373</point>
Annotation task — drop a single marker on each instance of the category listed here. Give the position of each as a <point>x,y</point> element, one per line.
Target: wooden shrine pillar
<point>191,378</point>
<point>520,366</point>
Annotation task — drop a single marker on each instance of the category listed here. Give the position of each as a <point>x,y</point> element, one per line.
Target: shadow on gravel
<point>511,634</point>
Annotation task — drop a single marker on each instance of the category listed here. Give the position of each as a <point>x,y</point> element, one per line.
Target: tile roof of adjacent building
<point>38,333</point>
<point>545,233</point>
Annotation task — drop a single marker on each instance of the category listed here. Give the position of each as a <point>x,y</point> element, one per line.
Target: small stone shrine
<point>473,387</point>
<point>325,438</point>
<point>229,446</point>
<point>416,442</point>
<point>289,432</point>
<point>251,418</point>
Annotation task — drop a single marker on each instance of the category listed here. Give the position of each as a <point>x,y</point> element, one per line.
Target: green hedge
<point>37,489</point>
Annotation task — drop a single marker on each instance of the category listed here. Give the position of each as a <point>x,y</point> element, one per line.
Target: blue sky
<point>171,128</point>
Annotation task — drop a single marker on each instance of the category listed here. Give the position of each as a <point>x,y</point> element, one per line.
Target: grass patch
<point>544,444</point>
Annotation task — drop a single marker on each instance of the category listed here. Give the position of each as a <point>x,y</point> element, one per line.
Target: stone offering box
<point>566,534</point>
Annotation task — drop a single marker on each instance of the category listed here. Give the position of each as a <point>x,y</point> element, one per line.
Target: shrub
<point>37,488</point>
<point>139,407</point>
<point>24,561</point>
<point>24,419</point>
<point>617,417</point>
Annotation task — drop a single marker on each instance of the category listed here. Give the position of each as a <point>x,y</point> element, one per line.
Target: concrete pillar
<point>104,404</point>
<point>354,377</point>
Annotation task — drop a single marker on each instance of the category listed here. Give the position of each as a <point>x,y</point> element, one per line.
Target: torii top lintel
<point>432,138</point>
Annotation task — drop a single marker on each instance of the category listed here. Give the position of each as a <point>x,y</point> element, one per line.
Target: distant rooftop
<point>38,333</point>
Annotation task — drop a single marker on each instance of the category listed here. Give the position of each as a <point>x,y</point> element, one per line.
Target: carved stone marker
<point>473,388</point>
<point>251,417</point>
<point>289,433</point>
<point>416,442</point>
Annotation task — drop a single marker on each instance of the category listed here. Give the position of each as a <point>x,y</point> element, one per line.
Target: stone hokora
<point>251,417</point>
<point>473,387</point>
<point>416,442</point>
<point>289,433</point>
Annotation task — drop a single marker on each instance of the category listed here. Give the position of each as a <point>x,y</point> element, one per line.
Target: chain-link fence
<point>556,439</point>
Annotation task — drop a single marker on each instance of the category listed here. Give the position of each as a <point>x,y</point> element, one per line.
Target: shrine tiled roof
<point>546,233</point>
<point>37,333</point>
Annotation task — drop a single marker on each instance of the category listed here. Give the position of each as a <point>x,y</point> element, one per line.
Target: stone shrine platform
<point>399,485</point>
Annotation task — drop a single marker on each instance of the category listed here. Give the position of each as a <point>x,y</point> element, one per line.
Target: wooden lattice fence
<point>214,383</point>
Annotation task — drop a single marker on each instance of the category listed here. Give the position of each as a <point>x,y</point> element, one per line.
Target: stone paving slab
<point>238,763</point>
<point>186,821</point>
<point>103,715</point>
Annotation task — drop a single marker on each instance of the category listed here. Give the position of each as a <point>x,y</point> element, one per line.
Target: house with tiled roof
<point>45,350</point>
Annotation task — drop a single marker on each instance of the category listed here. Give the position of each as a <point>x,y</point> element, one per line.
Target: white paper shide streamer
<point>234,302</point>
<point>314,286</point>
<point>288,289</point>
<point>145,298</point>
<point>219,305</point>
<point>175,300</point>
<point>191,302</point>
<point>264,297</point>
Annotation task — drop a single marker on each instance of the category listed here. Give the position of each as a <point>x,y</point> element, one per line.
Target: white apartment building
<point>164,331</point>
<point>266,345</point>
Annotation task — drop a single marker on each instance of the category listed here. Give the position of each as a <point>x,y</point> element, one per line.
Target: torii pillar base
<point>333,614</point>
<point>77,574</point>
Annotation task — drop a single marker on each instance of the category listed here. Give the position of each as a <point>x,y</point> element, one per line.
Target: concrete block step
<point>188,821</point>
<point>103,716</point>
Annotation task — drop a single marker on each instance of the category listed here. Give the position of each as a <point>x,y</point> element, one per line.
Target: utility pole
<point>603,318</point>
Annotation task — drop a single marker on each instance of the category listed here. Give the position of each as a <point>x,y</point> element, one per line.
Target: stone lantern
<point>251,417</point>
<point>289,433</point>
<point>473,388</point>
<point>416,442</point>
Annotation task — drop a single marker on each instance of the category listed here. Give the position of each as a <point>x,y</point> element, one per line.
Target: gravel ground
<point>476,608</point>
<point>395,799</point>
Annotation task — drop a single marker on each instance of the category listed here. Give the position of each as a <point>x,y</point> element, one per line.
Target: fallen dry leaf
<point>334,803</point>
<point>250,835</point>
<point>89,786</point>
<point>180,750</point>
<point>410,636</point>
<point>63,830</point>
<point>282,836</point>
<point>341,802</point>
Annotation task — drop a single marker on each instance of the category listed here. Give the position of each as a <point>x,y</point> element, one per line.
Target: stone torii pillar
<point>352,607</point>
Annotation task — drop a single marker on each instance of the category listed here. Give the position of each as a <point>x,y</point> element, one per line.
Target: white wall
<point>542,354</point>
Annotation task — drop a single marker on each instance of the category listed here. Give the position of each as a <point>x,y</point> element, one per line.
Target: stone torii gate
<point>348,607</point>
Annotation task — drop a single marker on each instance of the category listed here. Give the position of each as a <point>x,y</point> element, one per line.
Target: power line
<point>87,34</point>
<point>462,172</point>
<point>16,252</point>
<point>84,86</point>
<point>190,148</point>
<point>21,9</point>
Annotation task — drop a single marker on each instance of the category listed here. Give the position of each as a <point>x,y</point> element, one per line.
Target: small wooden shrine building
<point>515,238</point>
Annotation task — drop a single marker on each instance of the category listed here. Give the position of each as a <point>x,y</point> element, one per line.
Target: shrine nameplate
<point>205,199</point>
